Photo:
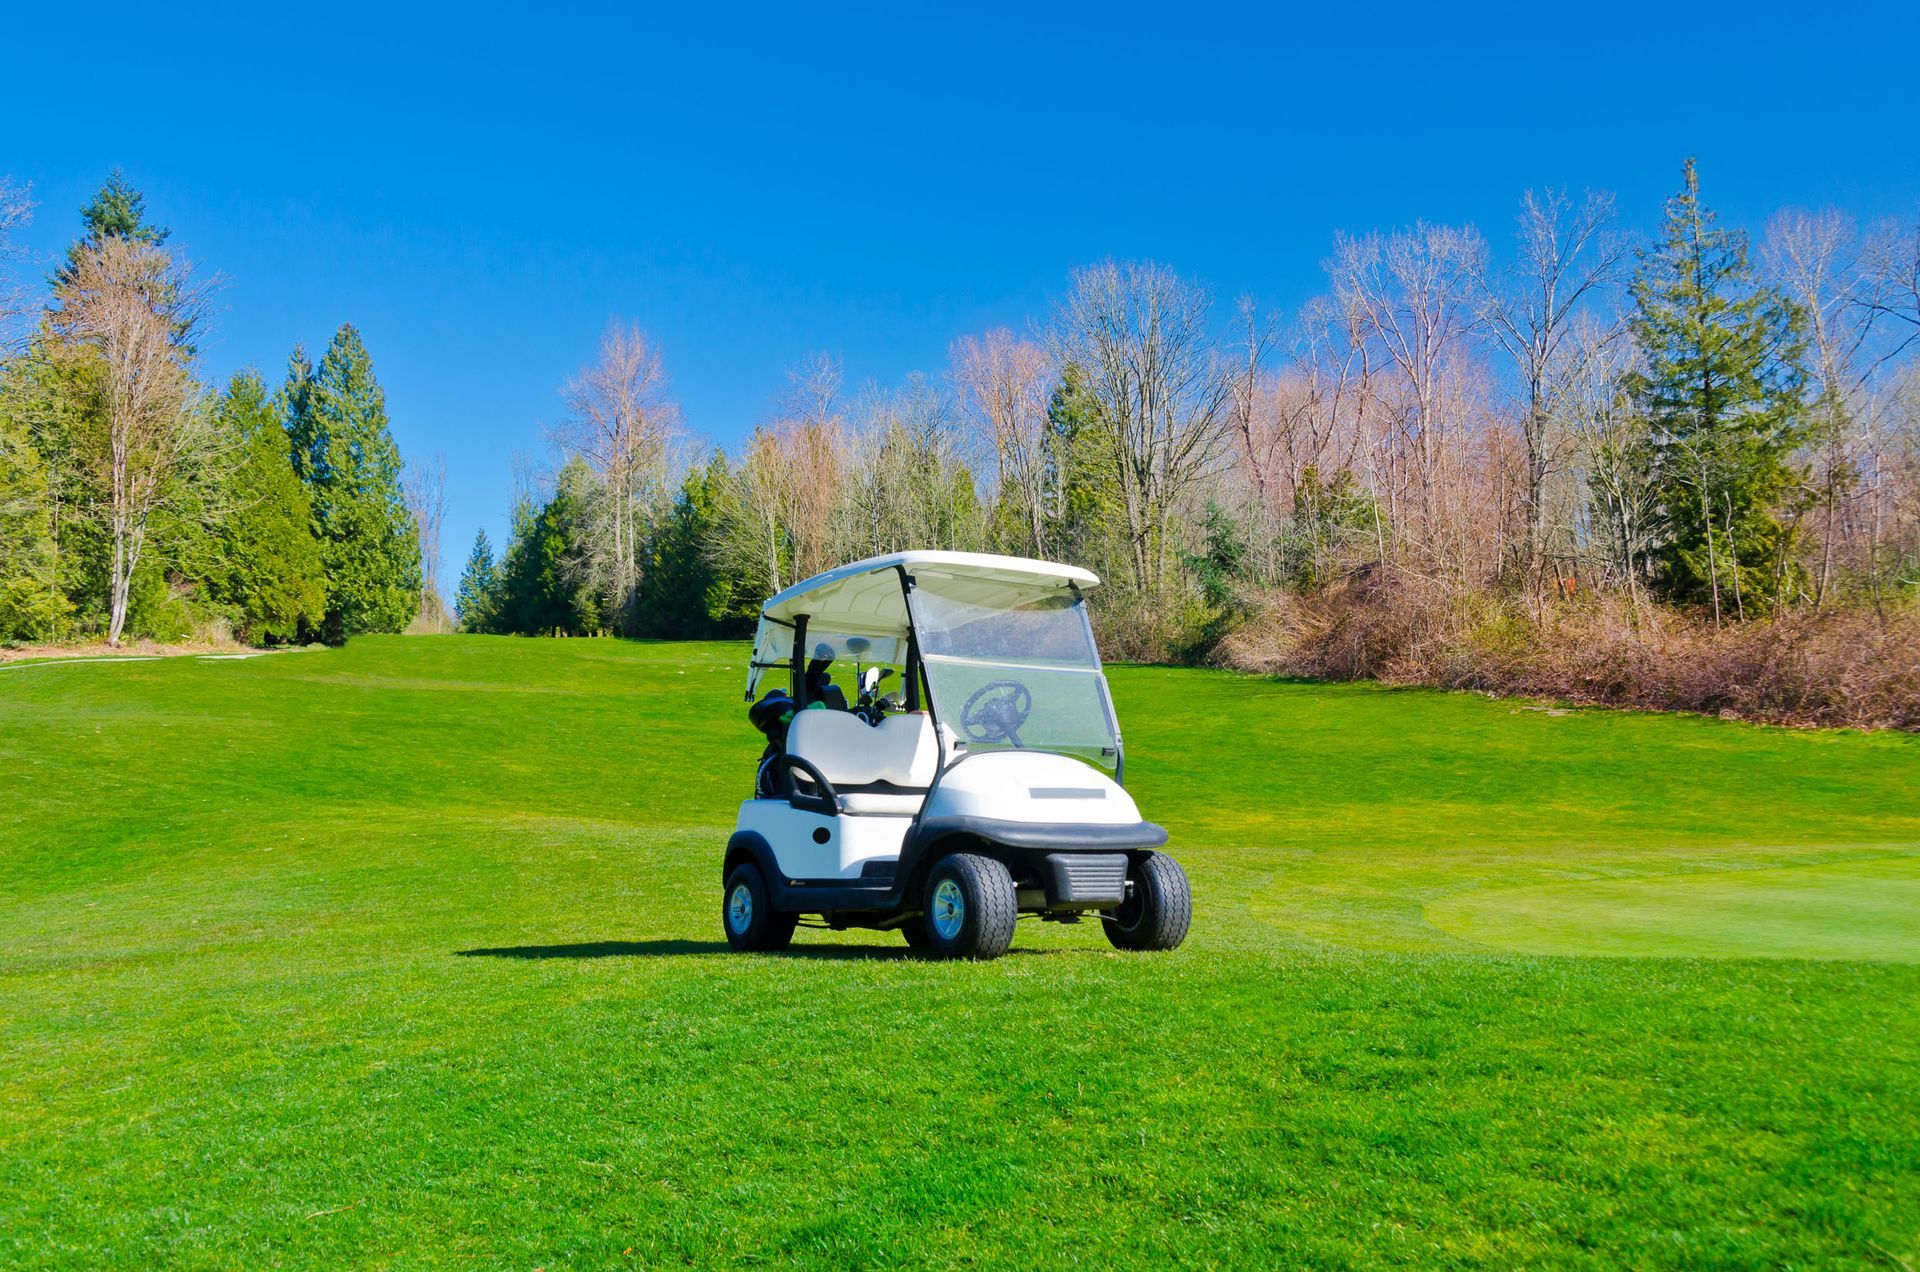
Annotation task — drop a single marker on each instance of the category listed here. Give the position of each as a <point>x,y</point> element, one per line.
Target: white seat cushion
<point>900,750</point>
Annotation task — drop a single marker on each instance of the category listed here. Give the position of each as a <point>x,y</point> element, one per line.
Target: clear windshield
<point>1009,671</point>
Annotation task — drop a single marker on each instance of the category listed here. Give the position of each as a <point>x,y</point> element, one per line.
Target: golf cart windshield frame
<point>1092,732</point>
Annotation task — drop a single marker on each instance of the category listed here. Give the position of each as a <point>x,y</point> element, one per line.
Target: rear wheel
<point>1158,908</point>
<point>748,914</point>
<point>915,930</point>
<point>970,907</point>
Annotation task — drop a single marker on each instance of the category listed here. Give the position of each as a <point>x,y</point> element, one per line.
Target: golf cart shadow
<point>678,948</point>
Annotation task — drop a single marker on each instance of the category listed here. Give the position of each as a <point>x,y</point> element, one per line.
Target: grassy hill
<point>409,954</point>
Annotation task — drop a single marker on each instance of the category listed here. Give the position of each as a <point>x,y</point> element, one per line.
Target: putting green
<point>1835,910</point>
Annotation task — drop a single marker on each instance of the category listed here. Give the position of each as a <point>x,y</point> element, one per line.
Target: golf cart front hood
<point>1034,787</point>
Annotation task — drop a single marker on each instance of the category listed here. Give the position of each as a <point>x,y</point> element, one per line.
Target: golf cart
<point>986,786</point>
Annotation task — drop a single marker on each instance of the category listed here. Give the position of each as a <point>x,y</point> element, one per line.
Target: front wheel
<point>748,914</point>
<point>970,907</point>
<point>1158,908</point>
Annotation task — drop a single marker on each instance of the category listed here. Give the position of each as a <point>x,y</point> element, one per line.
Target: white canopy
<point>865,599</point>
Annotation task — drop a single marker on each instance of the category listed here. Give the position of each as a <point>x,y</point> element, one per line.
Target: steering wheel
<point>996,711</point>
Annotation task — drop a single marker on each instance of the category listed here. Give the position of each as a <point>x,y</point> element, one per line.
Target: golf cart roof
<point>864,598</point>
<point>870,589</point>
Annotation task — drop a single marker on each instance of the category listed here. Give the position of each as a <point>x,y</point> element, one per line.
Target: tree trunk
<point>1713,573</point>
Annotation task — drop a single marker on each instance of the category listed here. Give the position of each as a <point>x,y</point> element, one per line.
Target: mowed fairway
<point>408,954</point>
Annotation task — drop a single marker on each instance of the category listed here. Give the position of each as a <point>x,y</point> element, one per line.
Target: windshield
<point>1014,672</point>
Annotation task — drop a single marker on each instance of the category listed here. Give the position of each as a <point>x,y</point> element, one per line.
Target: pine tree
<point>43,403</point>
<point>682,594</point>
<point>1721,396</point>
<point>368,540</point>
<point>1085,511</point>
<point>543,588</point>
<point>293,405</point>
<point>474,603</point>
<point>270,572</point>
<point>120,211</point>
<point>513,578</point>
<point>117,210</point>
<point>31,604</point>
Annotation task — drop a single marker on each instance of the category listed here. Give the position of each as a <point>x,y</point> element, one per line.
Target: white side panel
<point>851,841</point>
<point>1031,786</point>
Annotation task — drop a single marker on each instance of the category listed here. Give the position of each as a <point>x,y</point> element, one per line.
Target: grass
<point>409,955</point>
<point>1837,909</point>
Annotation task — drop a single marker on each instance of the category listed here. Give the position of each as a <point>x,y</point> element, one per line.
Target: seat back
<point>913,755</point>
<point>900,750</point>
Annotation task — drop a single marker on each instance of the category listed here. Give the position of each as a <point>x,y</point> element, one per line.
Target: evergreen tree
<point>543,588</point>
<point>117,210</point>
<point>120,211</point>
<point>474,603</point>
<point>368,540</point>
<point>1722,399</point>
<point>43,401</point>
<point>270,572</point>
<point>682,594</point>
<point>1085,514</point>
<point>1218,569</point>
<point>32,606</point>
<point>293,405</point>
<point>513,578</point>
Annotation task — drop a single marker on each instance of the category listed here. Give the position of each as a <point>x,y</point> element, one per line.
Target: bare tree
<point>16,209</point>
<point>1891,267</point>
<point>813,392</point>
<point>782,525</point>
<point>911,483</point>
<point>1565,256</point>
<point>1417,294</point>
<point>812,443</point>
<point>131,311</point>
<point>1250,424</point>
<point>1005,383</point>
<point>1813,257</point>
<point>751,542</point>
<point>1163,395</point>
<point>1615,506</point>
<point>426,492</point>
<point>620,421</point>
<point>1321,413</point>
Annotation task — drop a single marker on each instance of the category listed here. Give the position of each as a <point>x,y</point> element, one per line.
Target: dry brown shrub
<point>1834,667</point>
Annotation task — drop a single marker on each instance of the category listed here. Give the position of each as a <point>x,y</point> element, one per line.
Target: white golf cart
<point>988,786</point>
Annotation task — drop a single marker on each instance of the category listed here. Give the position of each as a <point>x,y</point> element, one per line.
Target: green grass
<point>409,954</point>
<point>1835,909</point>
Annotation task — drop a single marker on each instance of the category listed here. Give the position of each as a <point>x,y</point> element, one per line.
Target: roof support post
<point>799,662</point>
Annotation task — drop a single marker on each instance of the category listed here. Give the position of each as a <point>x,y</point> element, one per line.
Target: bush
<point>1830,667</point>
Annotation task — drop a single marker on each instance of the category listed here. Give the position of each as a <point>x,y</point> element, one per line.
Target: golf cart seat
<point>883,768</point>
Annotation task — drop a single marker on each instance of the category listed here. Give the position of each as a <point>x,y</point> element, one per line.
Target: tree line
<point>1717,425</point>
<point>1690,421</point>
<point>136,500</point>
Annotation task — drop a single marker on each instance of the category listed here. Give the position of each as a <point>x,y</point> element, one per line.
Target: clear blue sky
<point>481,188</point>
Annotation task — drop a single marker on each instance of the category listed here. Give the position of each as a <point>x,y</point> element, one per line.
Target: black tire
<point>970,907</point>
<point>1158,908</point>
<point>915,930</point>
<point>756,925</point>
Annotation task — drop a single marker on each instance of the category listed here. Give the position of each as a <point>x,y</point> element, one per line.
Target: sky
<point>480,189</point>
